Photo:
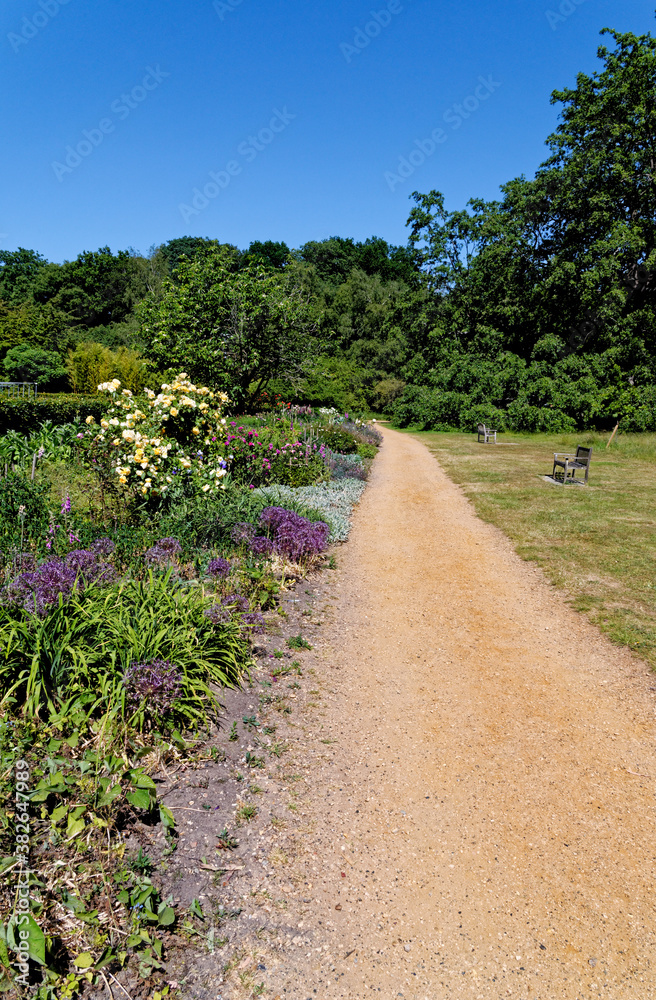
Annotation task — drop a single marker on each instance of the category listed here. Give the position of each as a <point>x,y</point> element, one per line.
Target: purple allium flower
<point>255,620</point>
<point>217,614</point>
<point>158,682</point>
<point>261,546</point>
<point>243,533</point>
<point>25,562</point>
<point>103,546</point>
<point>82,561</point>
<point>294,536</point>
<point>164,552</point>
<point>219,567</point>
<point>236,601</point>
<point>40,590</point>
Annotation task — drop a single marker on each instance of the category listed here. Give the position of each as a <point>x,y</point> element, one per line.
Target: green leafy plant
<point>298,642</point>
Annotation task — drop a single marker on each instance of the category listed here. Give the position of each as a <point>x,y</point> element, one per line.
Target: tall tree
<point>234,331</point>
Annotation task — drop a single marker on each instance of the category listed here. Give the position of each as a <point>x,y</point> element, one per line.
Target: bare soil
<point>473,769</point>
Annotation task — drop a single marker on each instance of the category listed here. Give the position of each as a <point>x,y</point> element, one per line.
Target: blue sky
<point>130,123</point>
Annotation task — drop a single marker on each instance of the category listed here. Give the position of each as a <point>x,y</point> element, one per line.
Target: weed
<point>251,723</point>
<point>226,842</point>
<point>278,654</point>
<point>278,749</point>
<point>234,735</point>
<point>332,563</point>
<point>142,863</point>
<point>254,761</point>
<point>298,642</point>
<point>246,813</point>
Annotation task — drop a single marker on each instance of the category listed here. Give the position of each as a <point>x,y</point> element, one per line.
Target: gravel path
<point>484,822</point>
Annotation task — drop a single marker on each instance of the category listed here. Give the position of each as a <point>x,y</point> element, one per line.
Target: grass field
<point>598,543</point>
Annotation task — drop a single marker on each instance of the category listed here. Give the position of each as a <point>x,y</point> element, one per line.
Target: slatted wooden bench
<point>487,434</point>
<point>571,464</point>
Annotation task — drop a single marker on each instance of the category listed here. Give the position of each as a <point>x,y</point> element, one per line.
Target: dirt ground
<point>484,826</point>
<point>473,811</point>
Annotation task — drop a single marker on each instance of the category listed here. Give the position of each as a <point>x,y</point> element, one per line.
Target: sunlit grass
<point>598,543</point>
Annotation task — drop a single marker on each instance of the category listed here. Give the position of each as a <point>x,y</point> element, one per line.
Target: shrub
<point>90,364</point>
<point>159,441</point>
<point>337,439</point>
<point>259,457</point>
<point>482,413</point>
<point>26,363</point>
<point>28,415</point>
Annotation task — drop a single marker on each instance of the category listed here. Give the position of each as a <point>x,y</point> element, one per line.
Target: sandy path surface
<point>485,818</point>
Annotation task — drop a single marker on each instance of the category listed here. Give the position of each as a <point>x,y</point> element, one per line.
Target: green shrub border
<point>27,415</point>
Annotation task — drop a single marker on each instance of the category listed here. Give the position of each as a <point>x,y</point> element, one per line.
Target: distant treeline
<point>534,311</point>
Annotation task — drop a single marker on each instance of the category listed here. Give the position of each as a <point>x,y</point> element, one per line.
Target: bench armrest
<point>563,454</point>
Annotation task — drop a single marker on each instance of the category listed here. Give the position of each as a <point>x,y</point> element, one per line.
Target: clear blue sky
<point>330,119</point>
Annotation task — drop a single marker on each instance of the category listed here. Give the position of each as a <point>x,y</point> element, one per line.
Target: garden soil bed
<point>464,807</point>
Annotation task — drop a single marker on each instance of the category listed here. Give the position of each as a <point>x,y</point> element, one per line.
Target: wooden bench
<point>570,464</point>
<point>487,434</point>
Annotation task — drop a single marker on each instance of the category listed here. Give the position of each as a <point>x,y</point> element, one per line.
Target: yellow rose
<point>174,412</point>
<point>91,420</point>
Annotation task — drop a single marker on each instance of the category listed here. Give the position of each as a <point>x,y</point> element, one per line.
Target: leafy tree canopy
<point>234,331</point>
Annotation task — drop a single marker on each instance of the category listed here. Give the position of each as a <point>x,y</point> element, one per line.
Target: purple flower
<point>219,568</point>
<point>157,682</point>
<point>217,614</point>
<point>164,552</point>
<point>261,546</point>
<point>294,536</point>
<point>243,533</point>
<point>66,505</point>
<point>25,562</point>
<point>236,601</point>
<point>82,561</point>
<point>103,546</point>
<point>38,591</point>
<point>255,621</point>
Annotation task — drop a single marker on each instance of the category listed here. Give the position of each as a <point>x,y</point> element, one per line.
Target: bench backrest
<point>482,429</point>
<point>583,454</point>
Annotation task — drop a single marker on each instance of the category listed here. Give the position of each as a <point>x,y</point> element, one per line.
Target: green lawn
<point>598,543</point>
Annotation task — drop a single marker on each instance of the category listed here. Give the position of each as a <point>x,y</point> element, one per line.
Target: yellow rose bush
<point>159,439</point>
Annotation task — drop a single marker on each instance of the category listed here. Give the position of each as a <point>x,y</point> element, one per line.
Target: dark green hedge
<point>27,415</point>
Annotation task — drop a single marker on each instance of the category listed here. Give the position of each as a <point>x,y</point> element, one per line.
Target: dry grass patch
<point>597,543</point>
